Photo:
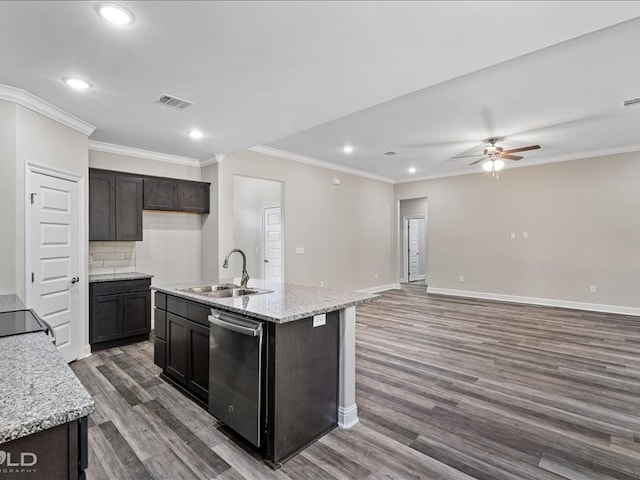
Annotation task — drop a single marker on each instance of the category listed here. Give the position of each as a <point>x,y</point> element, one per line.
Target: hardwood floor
<point>447,388</point>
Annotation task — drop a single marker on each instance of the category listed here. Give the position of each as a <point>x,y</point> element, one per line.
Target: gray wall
<point>581,218</point>
<point>250,197</point>
<point>345,229</point>
<point>209,227</point>
<point>8,257</point>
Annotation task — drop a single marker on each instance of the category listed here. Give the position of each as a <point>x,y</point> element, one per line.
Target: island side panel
<point>347,408</point>
<point>304,388</point>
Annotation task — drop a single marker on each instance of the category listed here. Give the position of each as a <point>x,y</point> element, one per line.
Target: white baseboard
<point>381,288</point>
<point>593,307</point>
<point>348,416</point>
<point>86,352</point>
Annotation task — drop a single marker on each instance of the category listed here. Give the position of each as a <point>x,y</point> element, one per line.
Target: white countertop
<point>285,303</point>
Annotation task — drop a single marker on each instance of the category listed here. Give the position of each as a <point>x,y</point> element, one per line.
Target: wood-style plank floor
<point>447,388</point>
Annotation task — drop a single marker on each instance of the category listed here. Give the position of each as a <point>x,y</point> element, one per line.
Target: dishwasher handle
<point>236,324</point>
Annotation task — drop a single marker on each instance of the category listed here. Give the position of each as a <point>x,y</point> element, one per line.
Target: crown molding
<point>275,152</point>
<point>216,158</point>
<point>140,153</point>
<point>30,101</point>
<point>601,152</point>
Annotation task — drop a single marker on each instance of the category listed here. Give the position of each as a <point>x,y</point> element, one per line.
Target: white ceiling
<point>260,71</point>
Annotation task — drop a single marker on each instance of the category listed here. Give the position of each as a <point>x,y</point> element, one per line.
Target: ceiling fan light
<point>498,165</point>
<point>487,166</point>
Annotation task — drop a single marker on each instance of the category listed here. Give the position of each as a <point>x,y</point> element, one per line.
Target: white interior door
<point>414,249</point>
<point>54,259</point>
<point>272,244</point>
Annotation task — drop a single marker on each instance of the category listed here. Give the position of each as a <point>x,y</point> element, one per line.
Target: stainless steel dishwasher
<point>235,372</point>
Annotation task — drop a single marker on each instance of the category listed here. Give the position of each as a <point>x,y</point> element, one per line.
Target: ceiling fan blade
<point>510,157</point>
<point>522,149</point>
<point>478,160</point>
<point>468,156</point>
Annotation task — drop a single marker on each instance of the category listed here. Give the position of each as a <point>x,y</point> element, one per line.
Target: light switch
<point>299,250</point>
<point>513,235</point>
<point>319,320</point>
<point>525,235</point>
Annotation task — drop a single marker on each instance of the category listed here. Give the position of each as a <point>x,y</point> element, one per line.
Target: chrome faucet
<point>245,276</point>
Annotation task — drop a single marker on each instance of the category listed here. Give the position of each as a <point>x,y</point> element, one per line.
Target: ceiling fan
<point>494,155</point>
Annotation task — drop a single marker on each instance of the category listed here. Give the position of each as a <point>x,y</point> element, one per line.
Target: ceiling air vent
<point>390,152</point>
<point>173,102</point>
<point>633,101</point>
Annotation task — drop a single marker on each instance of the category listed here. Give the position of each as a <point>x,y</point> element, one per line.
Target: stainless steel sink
<point>224,291</point>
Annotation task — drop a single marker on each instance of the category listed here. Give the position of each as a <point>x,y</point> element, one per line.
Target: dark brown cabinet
<point>176,195</point>
<point>120,312</point>
<point>102,205</point>
<point>115,206</point>
<point>182,333</point>
<point>160,194</point>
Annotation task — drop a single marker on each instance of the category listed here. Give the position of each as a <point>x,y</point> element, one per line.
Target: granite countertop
<point>10,303</point>
<point>39,390</point>
<point>285,303</point>
<point>114,277</point>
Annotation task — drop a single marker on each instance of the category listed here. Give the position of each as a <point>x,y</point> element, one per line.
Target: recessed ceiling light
<point>412,170</point>
<point>77,83</point>
<point>196,134</point>
<point>114,13</point>
<point>347,149</point>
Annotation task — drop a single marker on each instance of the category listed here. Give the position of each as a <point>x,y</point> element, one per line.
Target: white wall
<point>345,230</point>
<point>581,218</point>
<point>209,234</point>
<point>250,197</point>
<point>171,242</point>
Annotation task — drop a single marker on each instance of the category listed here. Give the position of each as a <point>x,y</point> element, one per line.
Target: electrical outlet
<point>593,289</point>
<point>461,278</point>
<point>90,259</point>
<point>322,283</point>
<point>299,250</point>
<point>525,235</point>
<point>319,320</point>
<point>375,275</point>
<point>513,235</point>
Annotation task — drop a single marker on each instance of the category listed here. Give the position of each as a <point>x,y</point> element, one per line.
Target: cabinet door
<point>137,313</point>
<point>193,197</point>
<point>102,206</point>
<point>199,360</point>
<point>128,208</point>
<point>106,318</point>
<point>160,194</point>
<point>177,348</point>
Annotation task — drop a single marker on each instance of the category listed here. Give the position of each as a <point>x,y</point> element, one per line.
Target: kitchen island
<point>308,385</point>
<point>43,408</point>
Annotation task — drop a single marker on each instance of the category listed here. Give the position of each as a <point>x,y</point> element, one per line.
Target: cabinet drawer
<point>198,313</point>
<point>161,324</point>
<point>177,305</point>
<point>161,300</point>
<point>159,352</point>
<point>120,286</point>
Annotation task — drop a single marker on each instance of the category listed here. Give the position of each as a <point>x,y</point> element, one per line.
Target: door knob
<point>75,279</point>
<point>266,261</point>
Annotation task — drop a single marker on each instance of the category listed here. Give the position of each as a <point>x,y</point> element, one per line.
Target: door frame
<point>405,245</point>
<point>84,349</point>
<point>263,241</point>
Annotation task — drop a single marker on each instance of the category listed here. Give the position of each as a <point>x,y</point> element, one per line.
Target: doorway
<point>413,246</point>
<point>258,227</point>
<point>53,252</point>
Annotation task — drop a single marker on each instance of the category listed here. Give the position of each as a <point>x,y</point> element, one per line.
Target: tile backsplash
<point>112,257</point>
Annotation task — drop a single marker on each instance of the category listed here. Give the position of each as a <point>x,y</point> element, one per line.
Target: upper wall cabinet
<point>176,195</point>
<point>116,201</point>
<point>115,206</point>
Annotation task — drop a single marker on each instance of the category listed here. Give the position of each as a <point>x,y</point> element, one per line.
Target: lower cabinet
<point>120,312</point>
<point>57,453</point>
<point>181,345</point>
